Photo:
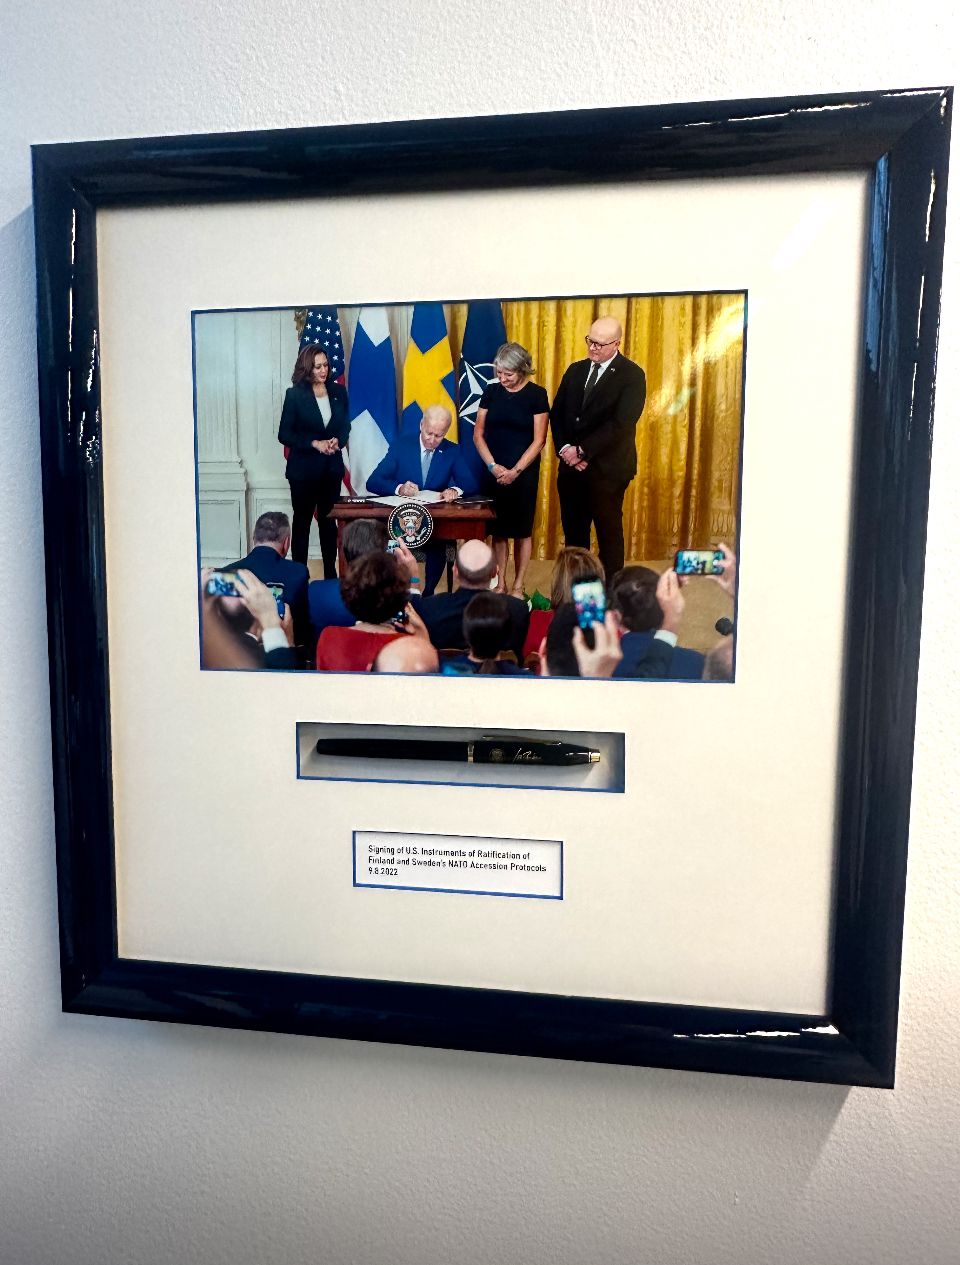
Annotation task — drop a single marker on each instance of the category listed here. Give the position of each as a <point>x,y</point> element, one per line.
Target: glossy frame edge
<point>902,138</point>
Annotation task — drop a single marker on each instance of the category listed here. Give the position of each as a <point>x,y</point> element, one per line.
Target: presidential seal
<point>411,523</point>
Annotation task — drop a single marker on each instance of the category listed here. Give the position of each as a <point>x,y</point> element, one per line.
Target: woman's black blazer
<point>301,423</point>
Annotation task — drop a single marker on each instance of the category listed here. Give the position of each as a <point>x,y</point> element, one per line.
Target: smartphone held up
<point>229,584</point>
<point>698,562</point>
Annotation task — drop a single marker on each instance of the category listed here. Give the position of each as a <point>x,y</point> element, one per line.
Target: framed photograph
<point>684,494</point>
<point>733,901</point>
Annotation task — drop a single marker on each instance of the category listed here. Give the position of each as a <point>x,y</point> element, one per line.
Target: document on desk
<point>425,497</point>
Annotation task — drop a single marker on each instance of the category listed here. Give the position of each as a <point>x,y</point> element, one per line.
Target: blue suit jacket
<point>685,665</point>
<point>402,465</point>
<point>267,565</point>
<point>327,607</point>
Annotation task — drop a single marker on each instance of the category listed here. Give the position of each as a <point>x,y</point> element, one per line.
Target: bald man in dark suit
<point>594,423</point>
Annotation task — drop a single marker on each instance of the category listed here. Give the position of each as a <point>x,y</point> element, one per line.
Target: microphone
<point>724,626</point>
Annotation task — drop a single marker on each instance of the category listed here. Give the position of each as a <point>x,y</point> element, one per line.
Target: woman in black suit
<point>314,426</point>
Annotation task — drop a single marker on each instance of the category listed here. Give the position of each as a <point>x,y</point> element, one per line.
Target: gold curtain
<point>688,441</point>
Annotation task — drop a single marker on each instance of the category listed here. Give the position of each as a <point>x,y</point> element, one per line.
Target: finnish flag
<point>374,423</point>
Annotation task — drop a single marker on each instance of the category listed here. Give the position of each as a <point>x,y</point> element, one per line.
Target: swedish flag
<point>428,376</point>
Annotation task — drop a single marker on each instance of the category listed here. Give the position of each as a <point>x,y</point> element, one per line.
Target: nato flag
<point>483,334</point>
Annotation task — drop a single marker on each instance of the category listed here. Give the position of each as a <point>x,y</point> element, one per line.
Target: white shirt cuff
<point>273,639</point>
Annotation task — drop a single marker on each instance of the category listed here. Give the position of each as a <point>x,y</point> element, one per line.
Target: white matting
<point>709,880</point>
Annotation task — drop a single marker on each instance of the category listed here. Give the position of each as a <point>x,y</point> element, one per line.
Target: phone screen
<point>698,562</point>
<point>590,600</point>
<point>277,591</point>
<point>222,584</point>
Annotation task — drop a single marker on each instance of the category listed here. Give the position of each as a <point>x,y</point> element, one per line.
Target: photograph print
<point>538,487</point>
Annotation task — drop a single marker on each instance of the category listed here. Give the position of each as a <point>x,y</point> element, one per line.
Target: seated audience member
<point>273,633</point>
<point>633,595</point>
<point>268,561</point>
<point>567,651</point>
<point>476,572</point>
<point>324,598</point>
<point>245,631</point>
<point>559,649</point>
<point>375,592</point>
<point>407,654</point>
<point>719,661</point>
<point>572,565</point>
<point>718,665</point>
<point>221,644</point>
<point>487,630</point>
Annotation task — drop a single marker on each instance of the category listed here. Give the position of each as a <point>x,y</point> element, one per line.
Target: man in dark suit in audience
<point>594,423</point>
<point>476,572</point>
<point>567,650</point>
<point>268,561</point>
<point>428,461</point>
<point>633,595</point>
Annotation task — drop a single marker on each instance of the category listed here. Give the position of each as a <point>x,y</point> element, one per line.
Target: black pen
<point>480,751</point>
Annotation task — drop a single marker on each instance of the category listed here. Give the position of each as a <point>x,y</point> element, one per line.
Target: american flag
<point>322,329</point>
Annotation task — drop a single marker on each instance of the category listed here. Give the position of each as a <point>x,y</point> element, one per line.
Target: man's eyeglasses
<point>595,346</point>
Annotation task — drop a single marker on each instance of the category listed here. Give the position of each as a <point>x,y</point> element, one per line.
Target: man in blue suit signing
<point>429,461</point>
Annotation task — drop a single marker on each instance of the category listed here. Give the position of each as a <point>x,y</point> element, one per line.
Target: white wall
<point>127,1142</point>
<point>239,384</point>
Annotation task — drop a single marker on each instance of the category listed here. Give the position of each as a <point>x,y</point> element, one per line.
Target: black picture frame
<point>901,139</point>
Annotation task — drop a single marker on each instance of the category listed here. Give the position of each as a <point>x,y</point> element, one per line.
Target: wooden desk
<point>452,520</point>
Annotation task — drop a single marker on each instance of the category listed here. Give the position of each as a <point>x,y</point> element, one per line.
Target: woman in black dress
<point>510,431</point>
<point>314,426</point>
